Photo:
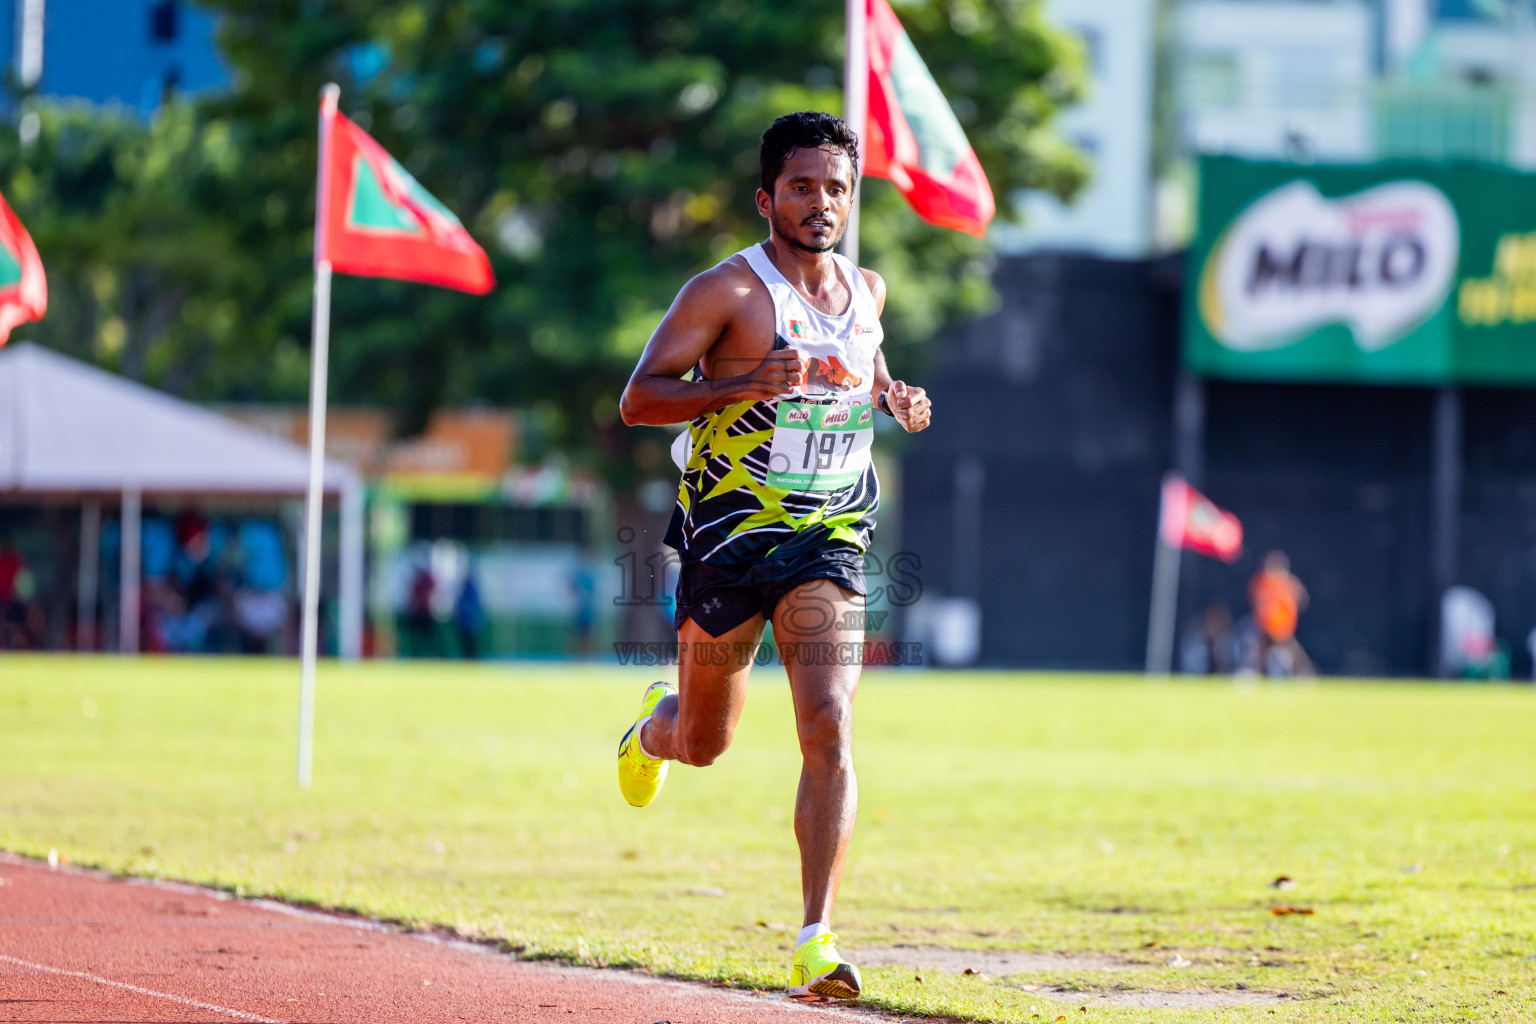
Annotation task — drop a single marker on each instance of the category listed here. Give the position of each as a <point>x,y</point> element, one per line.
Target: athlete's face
<point>810,202</point>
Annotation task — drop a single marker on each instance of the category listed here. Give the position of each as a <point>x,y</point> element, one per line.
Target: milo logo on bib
<point>821,447</point>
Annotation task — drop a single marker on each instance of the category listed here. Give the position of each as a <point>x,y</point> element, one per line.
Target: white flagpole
<point>315,497</point>
<point>856,105</point>
<point>1162,621</point>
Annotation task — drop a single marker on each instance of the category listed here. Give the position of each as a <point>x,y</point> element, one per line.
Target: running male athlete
<point>777,501</point>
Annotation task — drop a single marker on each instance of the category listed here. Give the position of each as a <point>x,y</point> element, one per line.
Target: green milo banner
<point>1390,273</point>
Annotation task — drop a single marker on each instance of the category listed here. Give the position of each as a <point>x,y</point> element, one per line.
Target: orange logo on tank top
<point>829,375</point>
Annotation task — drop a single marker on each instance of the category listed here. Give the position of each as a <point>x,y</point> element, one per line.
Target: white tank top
<point>841,347</point>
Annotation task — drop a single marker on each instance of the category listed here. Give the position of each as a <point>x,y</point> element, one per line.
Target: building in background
<point>1340,81</point>
<point>1113,126</point>
<point>1459,82</point>
<point>128,52</point>
<point>1287,79</point>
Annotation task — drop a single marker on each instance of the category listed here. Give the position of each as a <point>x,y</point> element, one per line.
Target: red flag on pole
<point>911,136</point>
<point>377,221</point>
<point>1188,519</point>
<point>372,219</point>
<point>23,287</point>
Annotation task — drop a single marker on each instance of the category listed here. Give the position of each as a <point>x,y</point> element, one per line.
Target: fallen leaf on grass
<point>1177,960</point>
<point>1283,882</point>
<point>973,972</point>
<point>1281,911</point>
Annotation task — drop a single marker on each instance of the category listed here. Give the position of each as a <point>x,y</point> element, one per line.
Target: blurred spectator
<point>266,563</point>
<point>260,607</point>
<point>1211,648</point>
<point>469,616</point>
<point>584,589</point>
<point>21,621</point>
<point>419,626</point>
<point>12,612</point>
<point>209,586</point>
<point>1469,649</point>
<point>259,617</point>
<point>10,567</point>
<point>1278,599</point>
<point>206,587</point>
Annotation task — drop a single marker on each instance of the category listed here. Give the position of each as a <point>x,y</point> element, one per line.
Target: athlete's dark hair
<point>811,129</point>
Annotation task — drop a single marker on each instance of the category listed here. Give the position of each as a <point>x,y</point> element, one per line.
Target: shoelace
<point>824,943</point>
<point>643,765</point>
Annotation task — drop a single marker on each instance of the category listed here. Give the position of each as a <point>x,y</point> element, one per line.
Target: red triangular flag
<point>1188,519</point>
<point>23,287</point>
<point>912,138</point>
<point>377,221</point>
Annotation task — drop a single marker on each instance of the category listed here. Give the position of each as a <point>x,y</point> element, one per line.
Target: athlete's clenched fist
<point>779,374</point>
<point>910,406</point>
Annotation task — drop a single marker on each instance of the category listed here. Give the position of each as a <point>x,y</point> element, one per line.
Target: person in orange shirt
<point>1278,598</point>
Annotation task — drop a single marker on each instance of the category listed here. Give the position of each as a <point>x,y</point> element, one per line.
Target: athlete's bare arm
<point>909,404</point>
<point>724,319</point>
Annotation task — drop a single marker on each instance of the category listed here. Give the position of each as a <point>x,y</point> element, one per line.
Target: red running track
<point>76,946</point>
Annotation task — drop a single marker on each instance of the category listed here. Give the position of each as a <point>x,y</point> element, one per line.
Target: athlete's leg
<point>697,724</point>
<point>822,678</point>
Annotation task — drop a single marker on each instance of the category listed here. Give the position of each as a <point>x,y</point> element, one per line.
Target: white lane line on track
<point>241,1014</point>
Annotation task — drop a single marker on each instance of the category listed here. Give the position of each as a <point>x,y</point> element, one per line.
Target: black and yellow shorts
<point>721,597</point>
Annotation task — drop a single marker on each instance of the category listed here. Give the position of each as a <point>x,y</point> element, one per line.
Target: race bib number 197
<point>821,447</point>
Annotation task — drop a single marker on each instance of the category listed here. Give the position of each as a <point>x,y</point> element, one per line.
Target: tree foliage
<point>144,275</point>
<point>601,150</point>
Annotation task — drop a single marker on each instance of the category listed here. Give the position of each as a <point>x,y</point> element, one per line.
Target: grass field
<point>1002,811</point>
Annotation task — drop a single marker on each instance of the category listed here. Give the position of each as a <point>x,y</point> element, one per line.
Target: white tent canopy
<point>70,428</point>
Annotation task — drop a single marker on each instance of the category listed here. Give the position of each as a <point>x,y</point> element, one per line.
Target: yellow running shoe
<point>819,971</point>
<point>640,777</point>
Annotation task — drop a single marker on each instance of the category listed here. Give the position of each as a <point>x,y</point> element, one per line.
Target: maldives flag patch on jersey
<point>377,220</point>
<point>912,138</point>
<point>23,288</point>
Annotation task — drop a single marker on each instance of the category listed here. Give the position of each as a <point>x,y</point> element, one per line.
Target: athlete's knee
<point>700,750</point>
<point>701,755</point>
<point>826,732</point>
